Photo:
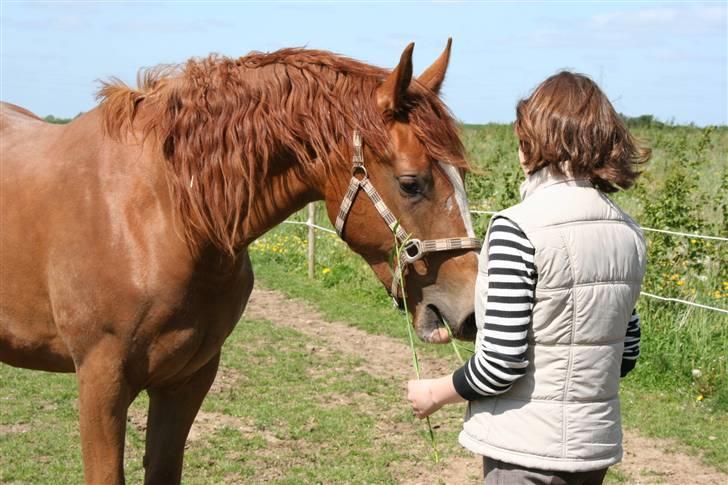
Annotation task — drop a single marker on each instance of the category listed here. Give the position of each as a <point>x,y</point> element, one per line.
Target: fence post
<point>311,240</point>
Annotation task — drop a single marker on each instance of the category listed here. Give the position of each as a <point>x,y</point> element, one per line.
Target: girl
<point>557,284</point>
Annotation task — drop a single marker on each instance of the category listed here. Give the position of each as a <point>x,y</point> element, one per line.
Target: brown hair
<point>223,122</point>
<point>568,123</point>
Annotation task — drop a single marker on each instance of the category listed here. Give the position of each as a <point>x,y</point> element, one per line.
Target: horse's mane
<point>222,122</point>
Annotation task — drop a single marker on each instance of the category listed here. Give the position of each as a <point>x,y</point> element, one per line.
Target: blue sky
<point>663,58</point>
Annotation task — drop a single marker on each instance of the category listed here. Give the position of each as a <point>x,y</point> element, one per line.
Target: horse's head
<point>419,176</point>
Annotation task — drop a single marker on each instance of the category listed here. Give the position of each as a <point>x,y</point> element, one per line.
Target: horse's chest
<point>190,338</point>
<point>180,350</point>
<point>189,322</point>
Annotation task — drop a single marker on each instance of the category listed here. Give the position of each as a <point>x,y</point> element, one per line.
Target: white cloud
<point>166,27</point>
<point>63,23</point>
<point>682,55</point>
<point>698,19</point>
<point>642,28</point>
<point>642,18</point>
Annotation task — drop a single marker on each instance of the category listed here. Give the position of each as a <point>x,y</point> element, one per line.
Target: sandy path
<point>647,460</point>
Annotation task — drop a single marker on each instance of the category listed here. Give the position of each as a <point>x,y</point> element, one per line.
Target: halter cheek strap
<point>414,249</point>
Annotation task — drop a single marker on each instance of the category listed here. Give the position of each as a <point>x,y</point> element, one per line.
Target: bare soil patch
<point>14,428</point>
<point>657,461</point>
<point>225,380</point>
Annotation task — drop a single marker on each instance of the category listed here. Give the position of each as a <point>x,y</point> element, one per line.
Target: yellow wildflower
<point>326,270</point>
<point>680,283</point>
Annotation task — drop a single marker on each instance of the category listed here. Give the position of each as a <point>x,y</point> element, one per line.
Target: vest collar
<point>545,178</point>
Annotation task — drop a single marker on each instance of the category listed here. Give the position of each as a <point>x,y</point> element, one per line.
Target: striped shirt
<point>631,344</point>
<point>501,357</point>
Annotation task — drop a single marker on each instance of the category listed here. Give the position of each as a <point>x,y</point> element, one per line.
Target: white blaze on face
<point>459,190</point>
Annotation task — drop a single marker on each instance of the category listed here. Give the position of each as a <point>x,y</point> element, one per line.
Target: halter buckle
<point>412,251</point>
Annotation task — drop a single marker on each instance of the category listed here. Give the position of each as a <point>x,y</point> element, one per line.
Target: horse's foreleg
<point>104,396</point>
<point>171,413</point>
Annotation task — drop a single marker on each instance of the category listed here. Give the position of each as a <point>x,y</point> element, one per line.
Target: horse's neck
<point>276,198</point>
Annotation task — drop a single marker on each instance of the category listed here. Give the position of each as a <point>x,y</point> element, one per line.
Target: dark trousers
<point>500,473</point>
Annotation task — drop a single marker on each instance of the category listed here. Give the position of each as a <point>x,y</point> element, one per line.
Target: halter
<point>413,249</point>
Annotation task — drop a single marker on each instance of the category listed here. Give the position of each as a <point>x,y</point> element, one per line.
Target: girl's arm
<point>631,344</point>
<point>501,358</point>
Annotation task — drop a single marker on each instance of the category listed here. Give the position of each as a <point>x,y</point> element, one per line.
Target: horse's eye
<point>409,186</point>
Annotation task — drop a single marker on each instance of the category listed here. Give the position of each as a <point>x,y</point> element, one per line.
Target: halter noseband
<point>414,249</point>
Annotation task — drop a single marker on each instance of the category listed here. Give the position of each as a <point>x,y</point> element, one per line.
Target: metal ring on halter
<point>410,257</point>
<point>358,168</point>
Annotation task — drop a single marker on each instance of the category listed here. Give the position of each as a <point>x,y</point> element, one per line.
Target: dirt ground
<point>646,460</point>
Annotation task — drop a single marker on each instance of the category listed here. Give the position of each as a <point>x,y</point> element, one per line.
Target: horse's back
<point>24,134</point>
<point>29,162</point>
<point>12,113</point>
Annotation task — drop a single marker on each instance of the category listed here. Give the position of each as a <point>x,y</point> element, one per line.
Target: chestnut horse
<point>124,233</point>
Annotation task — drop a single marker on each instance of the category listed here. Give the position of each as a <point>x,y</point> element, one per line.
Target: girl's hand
<point>419,394</point>
<point>429,395</point>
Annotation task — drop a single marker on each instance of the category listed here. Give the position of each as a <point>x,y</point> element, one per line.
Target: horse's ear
<point>391,93</point>
<point>435,74</point>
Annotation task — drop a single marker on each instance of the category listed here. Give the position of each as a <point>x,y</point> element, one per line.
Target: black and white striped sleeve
<point>631,344</point>
<point>501,357</point>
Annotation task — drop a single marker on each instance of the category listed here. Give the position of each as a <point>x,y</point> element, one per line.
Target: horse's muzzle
<point>430,326</point>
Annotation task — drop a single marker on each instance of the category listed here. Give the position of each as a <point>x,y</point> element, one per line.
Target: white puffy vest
<point>590,259</point>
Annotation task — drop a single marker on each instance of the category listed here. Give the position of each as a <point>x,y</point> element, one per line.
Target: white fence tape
<point>686,234</point>
<point>644,293</point>
<point>304,223</point>
<point>684,302</point>
<point>663,231</point>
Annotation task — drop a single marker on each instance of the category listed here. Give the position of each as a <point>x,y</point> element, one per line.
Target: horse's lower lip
<point>431,326</point>
<point>439,336</point>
